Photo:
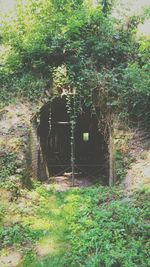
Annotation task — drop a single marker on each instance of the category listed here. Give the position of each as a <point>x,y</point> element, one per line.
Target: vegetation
<point>95,226</point>
<point>8,166</point>
<point>51,47</point>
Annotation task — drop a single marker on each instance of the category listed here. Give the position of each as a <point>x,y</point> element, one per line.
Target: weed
<point>111,234</point>
<point>17,234</point>
<point>8,166</point>
<point>90,227</point>
<point>2,210</point>
<point>122,163</point>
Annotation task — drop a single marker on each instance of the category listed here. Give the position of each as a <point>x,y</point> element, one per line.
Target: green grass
<point>107,229</point>
<point>90,227</point>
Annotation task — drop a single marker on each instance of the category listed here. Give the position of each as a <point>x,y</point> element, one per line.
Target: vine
<point>72,111</point>
<point>49,121</point>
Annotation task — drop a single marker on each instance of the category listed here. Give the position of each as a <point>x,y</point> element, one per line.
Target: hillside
<point>74,133</point>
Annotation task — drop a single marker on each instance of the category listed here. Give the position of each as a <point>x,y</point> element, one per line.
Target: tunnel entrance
<point>91,149</point>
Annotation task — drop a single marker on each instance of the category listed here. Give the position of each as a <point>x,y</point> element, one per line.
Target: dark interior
<point>91,150</point>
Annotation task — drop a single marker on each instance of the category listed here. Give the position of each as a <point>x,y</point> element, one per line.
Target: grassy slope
<point>91,227</point>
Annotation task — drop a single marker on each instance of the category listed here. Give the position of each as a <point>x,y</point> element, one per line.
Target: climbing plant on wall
<point>94,48</point>
<point>57,47</point>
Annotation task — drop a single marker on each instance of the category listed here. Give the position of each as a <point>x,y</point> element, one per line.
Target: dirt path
<point>63,183</point>
<point>40,213</point>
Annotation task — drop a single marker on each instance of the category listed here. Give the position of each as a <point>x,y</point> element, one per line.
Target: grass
<point>90,227</point>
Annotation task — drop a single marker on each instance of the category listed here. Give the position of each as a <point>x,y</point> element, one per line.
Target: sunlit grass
<point>68,229</point>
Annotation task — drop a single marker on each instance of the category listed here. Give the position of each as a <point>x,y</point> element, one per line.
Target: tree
<point>98,53</point>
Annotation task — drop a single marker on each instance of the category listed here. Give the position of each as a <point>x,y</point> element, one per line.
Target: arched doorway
<point>91,149</point>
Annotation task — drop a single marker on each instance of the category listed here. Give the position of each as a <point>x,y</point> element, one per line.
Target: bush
<point>107,230</point>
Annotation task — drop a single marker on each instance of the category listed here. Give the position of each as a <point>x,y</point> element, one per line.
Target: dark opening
<point>91,149</point>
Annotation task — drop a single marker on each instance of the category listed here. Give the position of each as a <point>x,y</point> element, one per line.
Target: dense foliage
<point>108,230</point>
<point>55,45</point>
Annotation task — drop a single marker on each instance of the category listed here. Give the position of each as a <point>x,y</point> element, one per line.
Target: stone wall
<point>36,162</point>
<point>18,140</point>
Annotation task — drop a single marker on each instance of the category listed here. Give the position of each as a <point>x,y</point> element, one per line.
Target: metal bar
<point>77,165</point>
<point>60,166</point>
<point>61,122</point>
<point>85,173</point>
<point>61,172</point>
<point>89,165</point>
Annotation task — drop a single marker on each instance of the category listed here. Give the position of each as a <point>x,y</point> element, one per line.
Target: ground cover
<point>88,227</point>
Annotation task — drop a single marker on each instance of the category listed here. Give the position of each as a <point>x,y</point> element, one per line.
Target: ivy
<point>8,166</point>
<point>55,46</point>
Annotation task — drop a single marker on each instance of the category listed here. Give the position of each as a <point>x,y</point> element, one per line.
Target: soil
<point>10,259</point>
<point>64,182</point>
<point>139,173</point>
